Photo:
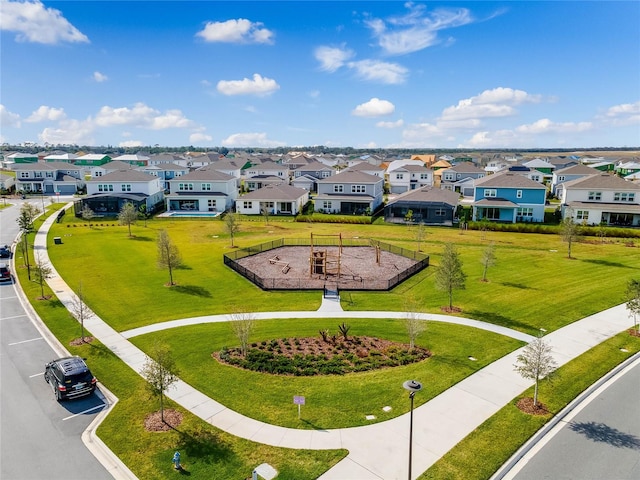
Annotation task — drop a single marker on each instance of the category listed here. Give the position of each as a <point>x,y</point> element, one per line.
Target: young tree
<point>265,214</point>
<point>142,212</point>
<point>421,233</point>
<point>232,223</point>
<point>87,213</point>
<point>28,213</point>
<point>449,275</point>
<point>412,321</point>
<point>633,304</point>
<point>128,215</point>
<point>242,323</point>
<point>488,259</point>
<point>409,216</point>
<point>160,373</point>
<point>80,310</point>
<point>42,272</point>
<point>535,363</point>
<point>569,230</point>
<point>168,254</point>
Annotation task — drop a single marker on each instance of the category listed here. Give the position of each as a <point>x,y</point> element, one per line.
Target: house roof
<point>465,167</point>
<point>280,191</point>
<point>115,165</point>
<point>604,181</point>
<point>441,164</point>
<point>349,176</point>
<point>428,195</point>
<point>538,163</point>
<point>578,169</point>
<point>131,158</point>
<point>165,166</point>
<point>207,173</point>
<point>364,167</point>
<point>124,176</point>
<point>495,202</point>
<point>609,207</point>
<point>314,166</point>
<point>508,180</point>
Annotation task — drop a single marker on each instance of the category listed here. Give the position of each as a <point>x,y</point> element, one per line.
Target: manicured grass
<point>533,285</point>
<point>206,451</point>
<point>483,451</point>
<point>332,401</point>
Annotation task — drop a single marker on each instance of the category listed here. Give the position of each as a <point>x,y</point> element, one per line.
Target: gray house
<point>428,205</point>
<point>349,193</point>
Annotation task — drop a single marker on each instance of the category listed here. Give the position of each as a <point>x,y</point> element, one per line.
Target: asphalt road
<point>40,439</point>
<point>601,442</point>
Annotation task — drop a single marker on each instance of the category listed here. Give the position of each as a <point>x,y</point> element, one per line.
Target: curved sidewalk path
<point>378,451</point>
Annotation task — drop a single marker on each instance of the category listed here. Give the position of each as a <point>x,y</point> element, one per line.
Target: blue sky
<point>372,74</point>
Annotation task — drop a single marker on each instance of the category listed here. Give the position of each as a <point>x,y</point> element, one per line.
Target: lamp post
<point>412,386</point>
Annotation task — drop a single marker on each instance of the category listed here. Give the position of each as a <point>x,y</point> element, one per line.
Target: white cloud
<point>250,140</point>
<point>421,134</point>
<point>390,125</point>
<point>131,143</point>
<point>100,77</point>
<point>624,114</point>
<point>8,119</point>
<point>545,125</point>
<point>143,116</point>
<point>260,86</point>
<point>69,132</point>
<point>44,113</point>
<point>378,71</point>
<point>236,31</point>
<point>332,58</point>
<point>374,108</point>
<point>35,23</point>
<point>417,29</point>
<point>498,102</point>
<point>198,138</point>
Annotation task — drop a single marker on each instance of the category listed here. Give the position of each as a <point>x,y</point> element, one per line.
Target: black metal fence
<point>342,283</point>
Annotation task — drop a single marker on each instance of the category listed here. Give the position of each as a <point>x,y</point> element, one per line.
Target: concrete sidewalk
<point>377,451</point>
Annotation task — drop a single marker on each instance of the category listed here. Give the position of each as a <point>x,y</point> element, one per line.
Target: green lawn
<point>331,401</point>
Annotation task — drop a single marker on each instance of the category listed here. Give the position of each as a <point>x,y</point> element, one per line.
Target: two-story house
<point>409,176</point>
<point>461,178</point>
<point>280,199</point>
<point>602,198</point>
<point>165,172</point>
<point>307,175</point>
<point>48,178</point>
<point>268,169</point>
<point>107,194</point>
<point>509,197</point>
<point>567,174</point>
<point>203,190</point>
<point>350,193</point>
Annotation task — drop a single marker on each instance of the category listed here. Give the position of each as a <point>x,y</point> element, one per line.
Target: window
<point>185,187</point>
<point>266,204</point>
<point>449,176</point>
<point>338,188</point>
<point>525,212</point>
<point>358,188</point>
<point>490,192</point>
<point>247,204</point>
<point>561,178</point>
<point>535,178</point>
<point>49,174</point>
<point>206,187</point>
<point>38,174</point>
<point>492,213</point>
<point>582,215</point>
<point>24,174</point>
<point>105,188</point>
<point>595,196</point>
<point>399,176</point>
<point>125,187</point>
<point>624,197</point>
<point>211,204</point>
<point>326,205</point>
<point>326,174</point>
<point>424,176</point>
<point>518,193</point>
<point>440,212</point>
<point>98,174</point>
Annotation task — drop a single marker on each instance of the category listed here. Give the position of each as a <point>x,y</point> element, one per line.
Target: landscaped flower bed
<point>316,356</point>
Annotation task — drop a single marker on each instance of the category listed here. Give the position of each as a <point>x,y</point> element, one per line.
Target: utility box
<point>57,240</point>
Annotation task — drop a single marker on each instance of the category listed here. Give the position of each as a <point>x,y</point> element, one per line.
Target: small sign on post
<point>298,400</point>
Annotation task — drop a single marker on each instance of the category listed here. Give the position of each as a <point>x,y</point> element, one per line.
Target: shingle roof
<point>603,180</point>
<point>508,179</point>
<point>348,176</point>
<point>579,169</point>
<point>124,176</point>
<point>428,194</point>
<point>208,173</point>
<point>280,191</point>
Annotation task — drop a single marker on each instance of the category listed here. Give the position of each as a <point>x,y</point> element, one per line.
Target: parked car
<point>69,377</point>
<point>5,251</point>
<point>5,273</point>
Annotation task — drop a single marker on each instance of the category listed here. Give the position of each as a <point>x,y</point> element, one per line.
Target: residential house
<point>202,190</point>
<point>625,168</point>
<point>92,159</point>
<point>49,178</point>
<point>230,167</point>
<point>366,167</point>
<point>165,172</point>
<point>7,183</point>
<point>305,182</point>
<point>313,170</point>
<point>509,197</point>
<point>280,199</point>
<point>164,158</point>
<point>19,157</point>
<point>602,198</point>
<point>107,194</point>
<point>137,160</point>
<point>261,181</point>
<point>267,169</point>
<point>110,167</point>
<point>461,178</point>
<point>349,192</point>
<point>61,158</point>
<point>567,174</point>
<point>428,205</point>
<point>408,176</point>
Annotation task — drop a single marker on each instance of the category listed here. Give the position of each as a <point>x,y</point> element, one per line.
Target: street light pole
<point>413,387</point>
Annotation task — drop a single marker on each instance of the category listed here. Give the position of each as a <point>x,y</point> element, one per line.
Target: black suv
<point>5,273</point>
<point>5,251</point>
<point>69,377</point>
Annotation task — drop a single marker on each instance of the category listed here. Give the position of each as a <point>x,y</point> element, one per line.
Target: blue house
<point>509,197</point>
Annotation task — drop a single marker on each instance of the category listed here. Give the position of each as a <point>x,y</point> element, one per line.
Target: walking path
<point>378,451</point>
